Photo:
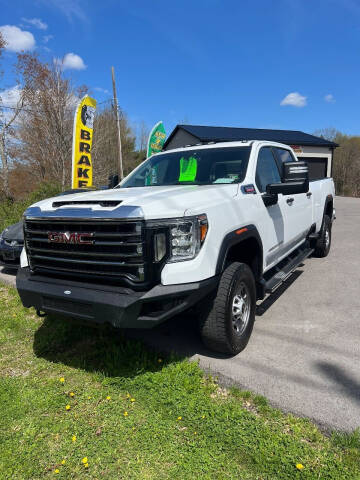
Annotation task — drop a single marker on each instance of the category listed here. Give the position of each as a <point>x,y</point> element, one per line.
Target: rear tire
<point>228,320</point>
<point>323,243</point>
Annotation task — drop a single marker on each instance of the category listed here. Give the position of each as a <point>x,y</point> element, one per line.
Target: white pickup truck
<point>214,226</point>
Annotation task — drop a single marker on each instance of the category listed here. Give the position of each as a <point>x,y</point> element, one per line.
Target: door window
<point>266,169</point>
<point>284,155</point>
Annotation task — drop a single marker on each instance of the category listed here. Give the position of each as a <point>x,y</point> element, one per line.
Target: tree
<point>6,130</point>
<point>346,167</point>
<point>346,161</point>
<point>36,138</point>
<point>328,133</point>
<point>143,136</point>
<point>45,130</point>
<point>105,148</point>
<point>7,121</point>
<point>2,48</point>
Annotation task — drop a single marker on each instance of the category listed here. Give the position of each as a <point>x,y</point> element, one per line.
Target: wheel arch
<point>329,205</point>
<point>243,245</point>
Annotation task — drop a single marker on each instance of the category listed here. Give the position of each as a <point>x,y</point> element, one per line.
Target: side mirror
<point>295,179</point>
<point>269,199</point>
<point>295,172</point>
<point>113,181</point>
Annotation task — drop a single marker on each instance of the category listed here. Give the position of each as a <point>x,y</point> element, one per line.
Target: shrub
<point>12,211</point>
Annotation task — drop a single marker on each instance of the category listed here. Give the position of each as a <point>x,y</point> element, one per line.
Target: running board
<point>314,236</point>
<point>286,270</point>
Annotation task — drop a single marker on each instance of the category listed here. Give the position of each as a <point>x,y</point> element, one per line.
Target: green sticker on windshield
<point>188,169</point>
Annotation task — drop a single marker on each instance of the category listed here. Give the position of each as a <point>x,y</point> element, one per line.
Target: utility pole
<point>121,171</point>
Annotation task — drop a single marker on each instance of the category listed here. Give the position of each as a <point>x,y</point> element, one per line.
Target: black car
<point>12,238</point>
<point>11,244</point>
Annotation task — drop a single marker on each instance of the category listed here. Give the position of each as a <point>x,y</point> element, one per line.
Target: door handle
<point>289,201</point>
<point>309,194</point>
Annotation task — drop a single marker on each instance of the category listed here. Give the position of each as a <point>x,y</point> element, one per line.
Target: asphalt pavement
<point>304,353</point>
<point>7,276</point>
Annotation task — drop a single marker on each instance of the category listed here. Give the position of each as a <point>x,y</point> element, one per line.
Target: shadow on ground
<point>109,352</point>
<point>266,304</point>
<point>9,270</point>
<point>341,379</point>
<point>122,353</point>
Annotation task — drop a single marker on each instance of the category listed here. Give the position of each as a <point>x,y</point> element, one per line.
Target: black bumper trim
<point>121,307</point>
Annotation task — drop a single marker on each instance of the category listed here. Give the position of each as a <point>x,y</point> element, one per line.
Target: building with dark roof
<point>317,151</point>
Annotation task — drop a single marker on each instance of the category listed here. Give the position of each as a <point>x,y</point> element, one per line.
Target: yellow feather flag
<point>82,169</point>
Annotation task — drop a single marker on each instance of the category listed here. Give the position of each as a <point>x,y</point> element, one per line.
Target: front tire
<point>323,244</point>
<point>227,322</point>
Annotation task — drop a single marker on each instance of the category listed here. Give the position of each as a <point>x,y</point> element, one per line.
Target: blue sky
<point>209,62</point>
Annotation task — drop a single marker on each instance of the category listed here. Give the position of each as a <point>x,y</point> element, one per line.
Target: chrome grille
<point>117,252</point>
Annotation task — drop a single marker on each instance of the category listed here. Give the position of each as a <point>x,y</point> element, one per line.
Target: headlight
<point>3,233</point>
<point>181,238</point>
<point>186,237</point>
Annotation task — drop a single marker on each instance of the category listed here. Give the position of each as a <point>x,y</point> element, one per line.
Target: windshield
<point>192,167</point>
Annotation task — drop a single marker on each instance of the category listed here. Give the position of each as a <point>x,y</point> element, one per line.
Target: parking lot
<point>304,353</point>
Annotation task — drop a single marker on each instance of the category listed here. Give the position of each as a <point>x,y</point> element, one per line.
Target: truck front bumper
<point>119,306</point>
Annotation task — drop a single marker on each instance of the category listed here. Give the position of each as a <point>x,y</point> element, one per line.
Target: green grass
<point>181,424</point>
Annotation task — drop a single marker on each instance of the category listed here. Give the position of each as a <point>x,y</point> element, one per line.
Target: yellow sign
<point>82,143</point>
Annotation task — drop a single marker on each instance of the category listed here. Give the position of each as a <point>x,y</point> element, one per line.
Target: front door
<point>297,208</point>
<point>273,216</point>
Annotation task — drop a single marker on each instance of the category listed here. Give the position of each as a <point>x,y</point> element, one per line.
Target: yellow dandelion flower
<point>128,395</point>
<point>73,438</point>
<point>195,433</point>
<point>72,394</point>
<point>108,397</point>
<point>67,407</point>
<point>84,460</point>
<point>56,470</point>
<point>61,379</point>
<point>63,462</point>
<point>203,416</point>
<point>160,360</point>
<point>179,418</point>
<point>299,466</point>
<point>86,465</point>
<point>89,398</point>
<point>126,414</point>
<point>132,400</point>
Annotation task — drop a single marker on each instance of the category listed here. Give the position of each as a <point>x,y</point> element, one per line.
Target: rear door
<point>297,208</point>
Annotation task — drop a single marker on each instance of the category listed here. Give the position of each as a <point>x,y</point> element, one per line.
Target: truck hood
<point>148,202</point>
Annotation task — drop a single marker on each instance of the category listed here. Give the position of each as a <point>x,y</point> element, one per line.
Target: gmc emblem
<point>73,238</point>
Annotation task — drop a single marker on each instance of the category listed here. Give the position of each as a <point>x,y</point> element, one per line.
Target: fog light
<point>159,246</point>
<point>141,273</point>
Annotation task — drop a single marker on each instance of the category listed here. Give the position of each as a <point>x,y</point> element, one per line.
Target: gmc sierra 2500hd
<point>214,227</point>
